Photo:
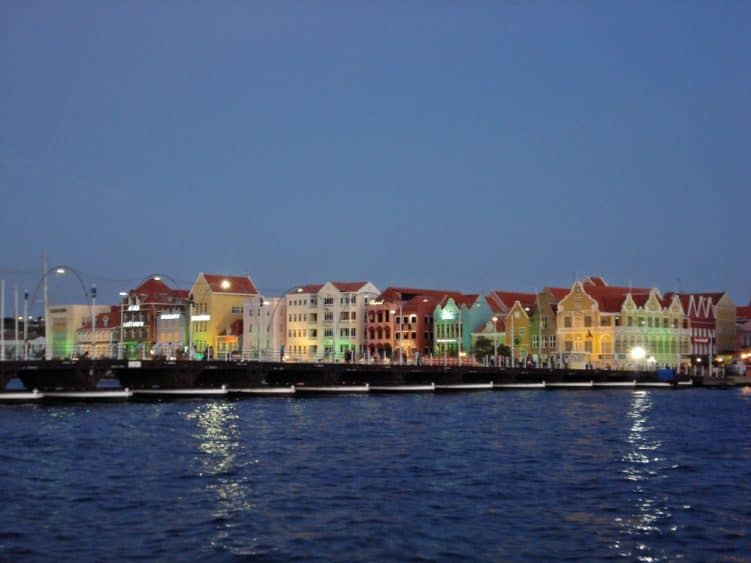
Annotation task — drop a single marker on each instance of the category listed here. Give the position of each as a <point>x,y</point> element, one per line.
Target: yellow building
<point>216,303</point>
<point>601,326</point>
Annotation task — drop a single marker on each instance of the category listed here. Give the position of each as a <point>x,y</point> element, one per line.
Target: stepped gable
<point>237,284</point>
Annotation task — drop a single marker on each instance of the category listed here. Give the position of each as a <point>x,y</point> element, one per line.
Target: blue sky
<point>472,146</point>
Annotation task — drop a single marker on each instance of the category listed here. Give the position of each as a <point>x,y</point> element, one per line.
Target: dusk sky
<point>460,145</point>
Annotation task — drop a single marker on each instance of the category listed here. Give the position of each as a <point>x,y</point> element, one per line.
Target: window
<point>604,321</point>
<point>544,321</point>
<point>344,316</point>
<point>237,310</point>
<point>630,321</point>
<point>522,331</point>
<point>313,333</point>
<point>314,317</point>
<point>567,321</point>
<point>353,316</point>
<point>328,316</point>
<point>588,321</point>
<point>569,346</point>
<point>588,346</point>
<point>328,300</point>
<point>328,333</point>
<point>352,332</point>
<point>535,342</point>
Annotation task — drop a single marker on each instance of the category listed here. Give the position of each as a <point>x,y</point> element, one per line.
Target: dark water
<point>647,475</point>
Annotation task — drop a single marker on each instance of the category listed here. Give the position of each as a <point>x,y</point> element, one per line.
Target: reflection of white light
<point>200,318</point>
<point>638,353</point>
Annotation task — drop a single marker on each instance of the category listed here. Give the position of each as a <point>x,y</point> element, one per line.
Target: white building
<point>327,321</point>
<point>64,322</point>
<point>264,326</point>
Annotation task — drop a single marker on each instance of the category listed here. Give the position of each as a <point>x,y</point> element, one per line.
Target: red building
<point>399,322</point>
<point>140,310</point>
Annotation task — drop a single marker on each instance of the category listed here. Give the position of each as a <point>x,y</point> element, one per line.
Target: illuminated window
<point>567,321</point>
<point>587,321</point>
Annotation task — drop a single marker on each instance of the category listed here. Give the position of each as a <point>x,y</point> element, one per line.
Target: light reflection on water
<point>223,463</point>
<point>644,468</point>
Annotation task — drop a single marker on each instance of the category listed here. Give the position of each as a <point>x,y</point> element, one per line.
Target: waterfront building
<point>151,314</point>
<point>264,326</point>
<point>104,340</point>
<point>64,322</point>
<point>516,309</point>
<point>399,323</point>
<point>494,331</point>
<point>327,321</point>
<point>713,318</point>
<point>543,323</point>
<point>229,341</point>
<point>216,302</point>
<point>743,328</point>
<point>604,326</point>
<point>451,324</point>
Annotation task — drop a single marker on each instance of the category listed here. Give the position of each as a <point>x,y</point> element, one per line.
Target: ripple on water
<point>640,475</point>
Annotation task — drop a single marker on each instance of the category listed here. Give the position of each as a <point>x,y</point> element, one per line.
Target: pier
<point>155,379</point>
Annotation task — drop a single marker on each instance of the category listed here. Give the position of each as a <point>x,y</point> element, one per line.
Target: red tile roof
<point>743,313</point>
<point>697,305</point>
<point>344,287</point>
<point>237,284</point>
<point>156,291</point>
<point>510,297</point>
<point>558,292</point>
<point>349,286</point>
<point>595,280</point>
<point>109,319</point>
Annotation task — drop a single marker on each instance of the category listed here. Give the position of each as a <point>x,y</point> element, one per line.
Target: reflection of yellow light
<point>225,284</point>
<point>698,360</point>
<point>638,353</point>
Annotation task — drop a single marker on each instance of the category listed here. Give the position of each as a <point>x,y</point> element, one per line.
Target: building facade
<point>712,317</point>
<point>64,323</point>
<point>216,302</point>
<point>265,326</point>
<point>603,326</point>
<point>142,310</point>
<point>327,321</point>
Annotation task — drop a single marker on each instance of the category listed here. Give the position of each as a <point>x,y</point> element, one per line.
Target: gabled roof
<point>110,319</point>
<point>558,292</point>
<point>237,284</point>
<point>596,281</point>
<point>460,299</point>
<point>698,305</point>
<point>348,286</point>
<point>344,287</point>
<point>156,291</point>
<point>510,297</point>
<point>743,314</point>
<point>308,288</point>
<point>393,293</point>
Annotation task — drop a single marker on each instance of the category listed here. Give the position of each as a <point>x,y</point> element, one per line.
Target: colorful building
<point>400,323</point>
<point>452,328</point>
<point>216,304</point>
<point>743,328</point>
<point>104,341</point>
<point>712,318</point>
<point>64,323</point>
<point>604,326</point>
<point>327,321</point>
<point>142,311</point>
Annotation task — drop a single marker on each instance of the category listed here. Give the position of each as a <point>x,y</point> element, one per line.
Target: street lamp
<point>121,353</point>
<point>495,340</point>
<point>637,354</point>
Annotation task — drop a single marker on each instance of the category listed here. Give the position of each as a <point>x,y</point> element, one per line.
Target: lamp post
<point>121,353</point>
<point>93,319</point>
<point>495,340</point>
<point>2,320</point>
<point>191,302</point>
<point>398,330</point>
<point>25,325</point>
